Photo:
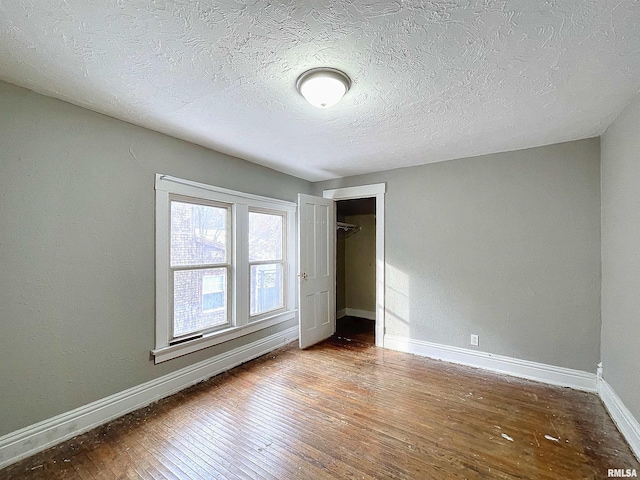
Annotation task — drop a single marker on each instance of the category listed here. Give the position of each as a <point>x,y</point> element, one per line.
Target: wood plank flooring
<point>345,409</point>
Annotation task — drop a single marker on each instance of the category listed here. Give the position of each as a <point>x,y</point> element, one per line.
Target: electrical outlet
<point>475,340</point>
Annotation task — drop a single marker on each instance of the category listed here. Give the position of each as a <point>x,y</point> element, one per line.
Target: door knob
<point>304,276</point>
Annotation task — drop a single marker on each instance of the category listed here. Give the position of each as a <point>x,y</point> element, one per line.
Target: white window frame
<point>241,323</point>
<point>282,261</point>
<point>226,265</point>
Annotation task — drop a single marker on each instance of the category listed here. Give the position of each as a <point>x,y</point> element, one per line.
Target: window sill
<point>173,351</point>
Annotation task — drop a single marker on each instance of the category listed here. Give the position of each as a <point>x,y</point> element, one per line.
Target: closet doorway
<point>356,269</point>
<point>360,273</point>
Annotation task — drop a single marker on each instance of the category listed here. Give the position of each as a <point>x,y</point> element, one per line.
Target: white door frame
<point>367,191</point>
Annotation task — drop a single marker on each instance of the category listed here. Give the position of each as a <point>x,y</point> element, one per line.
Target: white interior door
<point>316,276</point>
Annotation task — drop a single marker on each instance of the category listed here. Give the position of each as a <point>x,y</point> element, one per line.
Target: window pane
<point>199,300</point>
<point>198,234</point>
<point>266,288</point>
<point>265,236</point>
<point>213,292</point>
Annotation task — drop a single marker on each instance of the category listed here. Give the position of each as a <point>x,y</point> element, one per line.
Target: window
<point>266,261</point>
<point>199,266</point>
<point>224,263</point>
<point>213,293</point>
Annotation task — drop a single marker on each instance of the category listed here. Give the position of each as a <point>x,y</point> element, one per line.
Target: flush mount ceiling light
<point>323,87</point>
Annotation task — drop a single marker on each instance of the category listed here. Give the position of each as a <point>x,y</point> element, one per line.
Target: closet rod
<point>347,226</point>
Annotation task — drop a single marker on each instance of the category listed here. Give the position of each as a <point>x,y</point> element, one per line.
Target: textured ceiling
<point>432,79</point>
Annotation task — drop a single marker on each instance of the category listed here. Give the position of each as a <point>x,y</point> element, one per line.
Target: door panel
<point>316,240</point>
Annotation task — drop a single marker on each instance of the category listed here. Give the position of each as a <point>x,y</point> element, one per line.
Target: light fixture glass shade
<point>323,87</point>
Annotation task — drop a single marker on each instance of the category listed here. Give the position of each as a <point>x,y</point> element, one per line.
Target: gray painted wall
<point>360,264</point>
<point>506,246</point>
<point>621,256</point>
<point>77,251</point>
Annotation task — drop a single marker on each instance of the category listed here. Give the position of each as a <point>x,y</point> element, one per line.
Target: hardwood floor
<point>356,329</point>
<point>345,409</point>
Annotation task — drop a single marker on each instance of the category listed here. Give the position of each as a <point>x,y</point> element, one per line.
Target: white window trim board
<point>189,188</point>
<point>219,336</point>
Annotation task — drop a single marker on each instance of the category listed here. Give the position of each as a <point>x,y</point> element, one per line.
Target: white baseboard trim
<point>32,439</point>
<point>354,312</point>
<point>341,313</point>
<point>622,417</point>
<point>564,377</point>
